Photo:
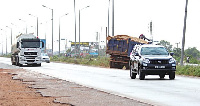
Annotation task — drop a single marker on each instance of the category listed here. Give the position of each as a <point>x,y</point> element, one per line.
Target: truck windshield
<point>153,51</point>
<point>29,44</point>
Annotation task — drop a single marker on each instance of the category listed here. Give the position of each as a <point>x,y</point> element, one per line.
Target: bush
<point>87,60</point>
<point>188,70</point>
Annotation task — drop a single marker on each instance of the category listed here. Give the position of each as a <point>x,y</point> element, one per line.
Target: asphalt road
<point>182,91</point>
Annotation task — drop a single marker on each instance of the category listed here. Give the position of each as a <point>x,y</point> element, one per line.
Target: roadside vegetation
<point>188,70</point>
<point>101,61</point>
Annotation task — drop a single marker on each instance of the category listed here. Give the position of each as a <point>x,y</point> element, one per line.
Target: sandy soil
<point>15,93</point>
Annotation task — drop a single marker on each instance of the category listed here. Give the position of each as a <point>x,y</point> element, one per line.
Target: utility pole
<point>113,22</point>
<point>184,30</point>
<point>151,30</point>
<point>52,25</point>
<point>177,44</point>
<point>75,25</point>
<point>108,16</point>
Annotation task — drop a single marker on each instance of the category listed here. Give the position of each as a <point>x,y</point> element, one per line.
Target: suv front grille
<point>159,61</point>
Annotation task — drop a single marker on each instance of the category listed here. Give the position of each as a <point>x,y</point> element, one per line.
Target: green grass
<point>88,60</point>
<point>188,70</point>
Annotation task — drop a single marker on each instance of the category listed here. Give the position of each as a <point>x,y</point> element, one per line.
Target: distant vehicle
<point>119,48</point>
<point>45,57</point>
<point>26,50</point>
<point>151,60</point>
<point>94,52</point>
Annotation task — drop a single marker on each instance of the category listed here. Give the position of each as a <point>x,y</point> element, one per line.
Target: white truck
<point>27,50</point>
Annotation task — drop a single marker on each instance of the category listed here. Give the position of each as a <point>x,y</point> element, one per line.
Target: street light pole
<point>6,43</point>
<point>113,22</point>
<point>2,42</point>
<point>59,32</point>
<point>52,26</point>
<point>37,26</point>
<point>10,35</point>
<point>75,25</point>
<point>36,22</point>
<point>108,16</point>
<point>80,26</point>
<point>25,23</point>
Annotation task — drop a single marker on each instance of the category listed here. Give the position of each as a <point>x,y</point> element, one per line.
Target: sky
<point>131,17</point>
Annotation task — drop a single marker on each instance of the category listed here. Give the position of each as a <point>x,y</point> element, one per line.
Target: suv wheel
<point>132,75</point>
<point>172,75</point>
<point>141,74</point>
<point>162,76</point>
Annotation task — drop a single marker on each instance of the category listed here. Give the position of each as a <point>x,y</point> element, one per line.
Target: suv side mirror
<point>171,53</point>
<point>136,54</point>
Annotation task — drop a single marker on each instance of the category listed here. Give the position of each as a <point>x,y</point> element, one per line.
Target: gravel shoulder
<point>20,87</point>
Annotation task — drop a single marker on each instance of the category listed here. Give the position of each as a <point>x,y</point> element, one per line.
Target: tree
<point>177,54</point>
<point>192,52</point>
<point>194,55</point>
<point>166,44</point>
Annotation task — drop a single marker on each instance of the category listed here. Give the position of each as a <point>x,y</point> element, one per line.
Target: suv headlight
<point>146,61</point>
<point>172,60</point>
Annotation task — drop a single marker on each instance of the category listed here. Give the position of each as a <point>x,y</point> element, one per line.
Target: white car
<point>45,57</point>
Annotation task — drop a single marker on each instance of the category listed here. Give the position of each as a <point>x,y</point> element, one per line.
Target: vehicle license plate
<point>159,66</point>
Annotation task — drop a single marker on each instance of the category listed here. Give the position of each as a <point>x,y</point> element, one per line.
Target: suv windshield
<point>153,51</point>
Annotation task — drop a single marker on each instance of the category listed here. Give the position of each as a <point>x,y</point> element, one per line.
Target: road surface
<point>182,91</point>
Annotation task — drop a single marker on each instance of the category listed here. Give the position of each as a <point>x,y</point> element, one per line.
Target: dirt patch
<point>15,93</point>
<point>20,87</point>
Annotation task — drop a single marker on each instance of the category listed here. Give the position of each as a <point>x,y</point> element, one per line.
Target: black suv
<point>151,60</point>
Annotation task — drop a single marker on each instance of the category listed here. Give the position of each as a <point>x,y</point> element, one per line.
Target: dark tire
<point>172,75</point>
<point>20,65</point>
<point>132,75</point>
<point>39,65</point>
<point>142,76</point>
<point>162,76</point>
<point>17,61</point>
<point>111,64</point>
<point>13,63</point>
<point>120,66</point>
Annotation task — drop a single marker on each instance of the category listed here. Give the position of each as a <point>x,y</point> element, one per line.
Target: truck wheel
<point>17,62</point>
<point>172,75</point>
<point>162,76</point>
<point>13,63</point>
<point>120,66</point>
<point>111,64</point>
<point>20,65</point>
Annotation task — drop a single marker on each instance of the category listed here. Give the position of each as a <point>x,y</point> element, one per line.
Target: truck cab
<point>151,60</point>
<point>27,50</point>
